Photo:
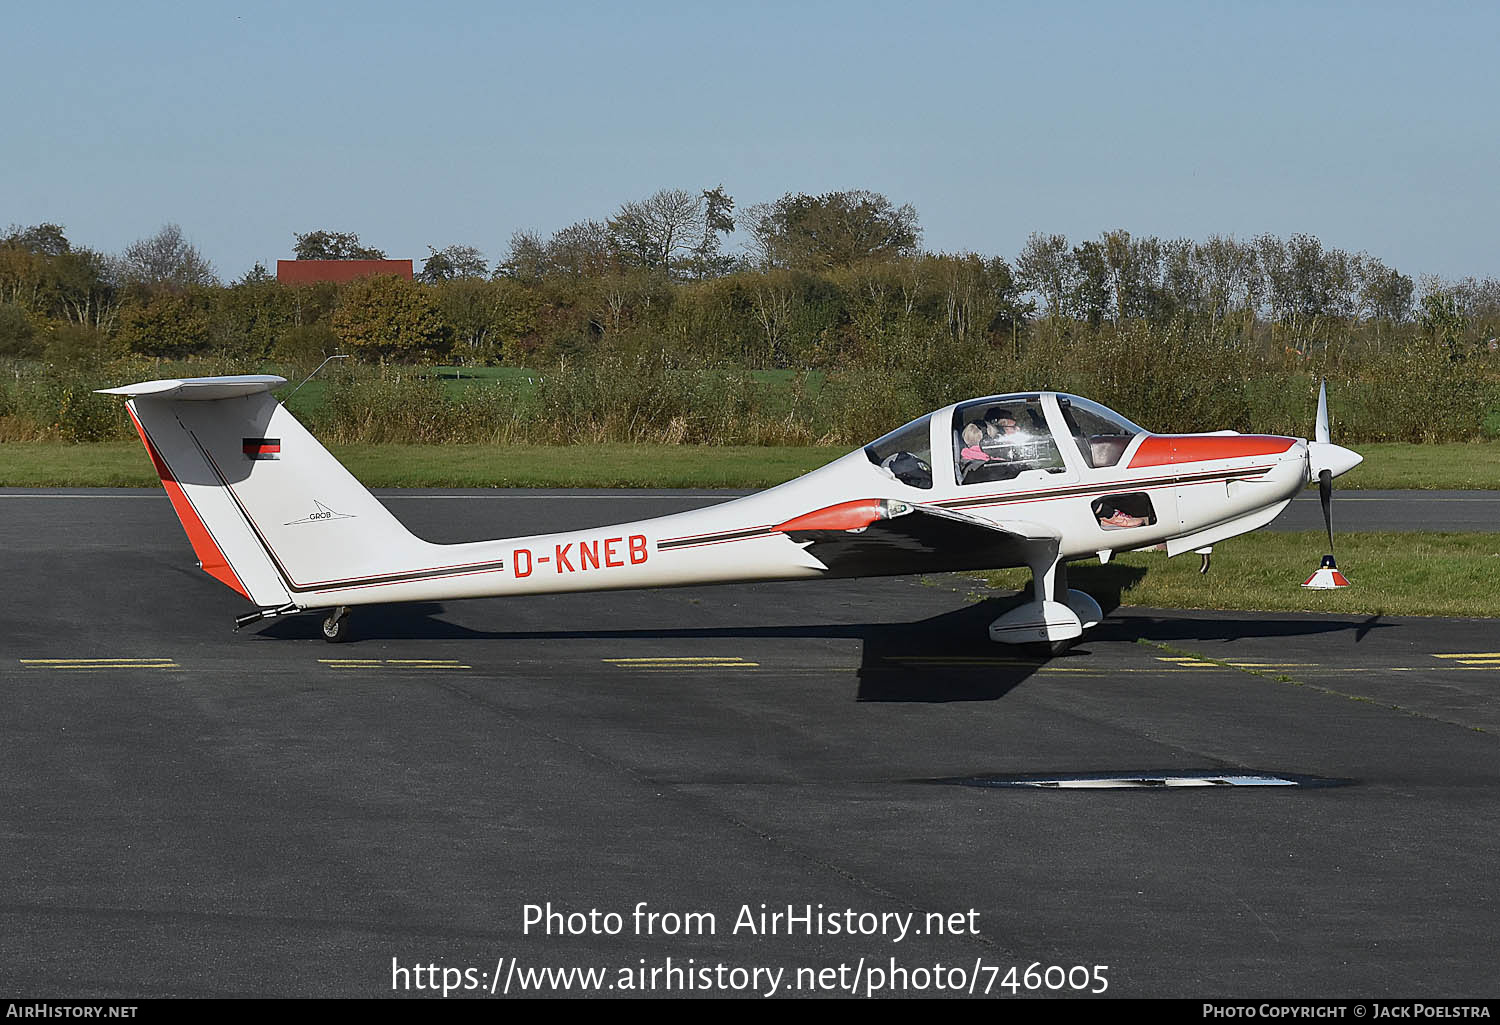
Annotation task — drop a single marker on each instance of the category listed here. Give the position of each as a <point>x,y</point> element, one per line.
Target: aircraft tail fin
<point>268,510</point>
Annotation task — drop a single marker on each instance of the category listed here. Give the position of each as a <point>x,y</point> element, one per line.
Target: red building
<point>306,272</point>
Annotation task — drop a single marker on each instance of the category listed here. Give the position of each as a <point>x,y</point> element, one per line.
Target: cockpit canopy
<point>906,453</point>
<point>1003,436</point>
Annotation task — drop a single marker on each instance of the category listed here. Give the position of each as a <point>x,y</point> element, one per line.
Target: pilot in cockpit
<point>999,430</point>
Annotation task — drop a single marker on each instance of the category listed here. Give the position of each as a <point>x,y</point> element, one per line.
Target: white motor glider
<point>1030,479</point>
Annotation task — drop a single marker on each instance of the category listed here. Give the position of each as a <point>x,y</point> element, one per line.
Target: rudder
<point>268,510</point>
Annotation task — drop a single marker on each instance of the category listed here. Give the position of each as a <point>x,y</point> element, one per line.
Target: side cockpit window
<point>1101,434</point>
<point>997,439</point>
<point>905,454</point>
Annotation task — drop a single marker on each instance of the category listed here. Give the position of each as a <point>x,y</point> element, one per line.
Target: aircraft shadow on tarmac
<point>1203,627</point>
<point>948,657</point>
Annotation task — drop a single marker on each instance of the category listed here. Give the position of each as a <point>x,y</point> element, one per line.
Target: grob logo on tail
<point>320,515</point>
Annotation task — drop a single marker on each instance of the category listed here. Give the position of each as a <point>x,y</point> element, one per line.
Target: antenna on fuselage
<point>310,376</point>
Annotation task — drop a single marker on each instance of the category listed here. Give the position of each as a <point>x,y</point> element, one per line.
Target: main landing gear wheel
<point>1053,621</point>
<point>336,626</point>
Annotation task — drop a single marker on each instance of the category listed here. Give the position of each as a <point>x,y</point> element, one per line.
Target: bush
<point>1414,386</point>
<point>18,335</point>
<point>304,347</point>
<point>384,318</point>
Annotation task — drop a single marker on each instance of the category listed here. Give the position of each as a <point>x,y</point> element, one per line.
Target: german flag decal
<point>262,448</point>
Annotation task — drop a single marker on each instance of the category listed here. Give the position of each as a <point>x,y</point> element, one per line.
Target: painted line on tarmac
<point>1308,680</point>
<point>1470,660</point>
<point>77,664</point>
<point>1199,663</point>
<point>680,663</point>
<point>394,663</point>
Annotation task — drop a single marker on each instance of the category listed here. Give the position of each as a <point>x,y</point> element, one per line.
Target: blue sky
<point>1372,126</point>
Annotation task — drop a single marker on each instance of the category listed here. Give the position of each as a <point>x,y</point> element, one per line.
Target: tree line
<point>1222,331</point>
<point>821,280</point>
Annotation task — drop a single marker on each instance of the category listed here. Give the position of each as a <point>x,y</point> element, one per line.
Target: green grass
<point>1457,467</point>
<point>123,464</point>
<point>457,379</point>
<point>596,466</point>
<point>46,464</point>
<point>1390,574</point>
<point>507,374</point>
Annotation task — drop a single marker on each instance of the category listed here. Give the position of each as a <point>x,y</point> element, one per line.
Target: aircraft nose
<point>1325,455</point>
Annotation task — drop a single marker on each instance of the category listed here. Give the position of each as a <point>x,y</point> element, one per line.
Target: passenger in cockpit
<point>972,454</point>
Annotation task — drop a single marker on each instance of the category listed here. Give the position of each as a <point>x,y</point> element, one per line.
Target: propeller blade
<point>1326,461</point>
<point>1320,431</point>
<point>1325,495</point>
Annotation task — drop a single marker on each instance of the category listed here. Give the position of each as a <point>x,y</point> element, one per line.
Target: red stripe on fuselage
<point>209,556</point>
<point>1165,449</point>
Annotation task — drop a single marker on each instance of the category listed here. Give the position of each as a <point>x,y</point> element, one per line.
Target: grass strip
<point>123,464</point>
<point>119,464</point>
<point>1391,573</point>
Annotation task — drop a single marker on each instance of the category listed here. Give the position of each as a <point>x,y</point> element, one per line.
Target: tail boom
<point>271,514</point>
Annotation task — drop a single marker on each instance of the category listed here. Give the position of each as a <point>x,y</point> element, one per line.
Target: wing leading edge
<point>879,537</point>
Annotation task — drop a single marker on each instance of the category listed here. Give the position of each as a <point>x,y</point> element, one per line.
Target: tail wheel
<point>336,626</point>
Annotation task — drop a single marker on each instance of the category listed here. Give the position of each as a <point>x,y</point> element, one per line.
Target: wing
<point>879,537</point>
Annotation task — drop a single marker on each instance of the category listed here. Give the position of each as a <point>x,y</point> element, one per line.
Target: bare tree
<point>1230,275</point>
<point>453,262</point>
<point>88,287</point>
<point>662,229</point>
<point>1118,257</point>
<point>774,302</point>
<point>968,296</point>
<point>1182,282</point>
<point>1090,295</point>
<point>1271,254</point>
<point>585,249</point>
<point>526,259</point>
<point>1045,266</point>
<point>1384,293</point>
<point>167,260</point>
<point>1134,272</point>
